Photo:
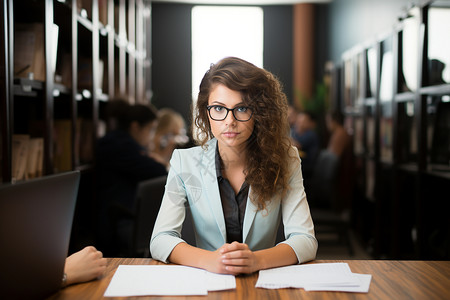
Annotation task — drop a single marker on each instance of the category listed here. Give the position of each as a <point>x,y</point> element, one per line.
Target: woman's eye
<point>218,108</point>
<point>242,109</point>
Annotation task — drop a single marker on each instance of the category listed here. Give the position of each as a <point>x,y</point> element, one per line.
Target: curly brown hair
<point>267,168</point>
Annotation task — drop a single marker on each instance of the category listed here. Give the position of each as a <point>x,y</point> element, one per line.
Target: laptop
<point>35,225</point>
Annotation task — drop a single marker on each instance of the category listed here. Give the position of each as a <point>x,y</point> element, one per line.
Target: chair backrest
<point>323,181</point>
<point>149,196</point>
<point>148,200</point>
<point>187,232</point>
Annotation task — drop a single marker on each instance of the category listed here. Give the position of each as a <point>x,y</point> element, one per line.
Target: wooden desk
<point>390,280</point>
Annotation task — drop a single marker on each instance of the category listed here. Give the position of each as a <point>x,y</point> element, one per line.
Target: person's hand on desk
<point>84,265</point>
<point>237,258</point>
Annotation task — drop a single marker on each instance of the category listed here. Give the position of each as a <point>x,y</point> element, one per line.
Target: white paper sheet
<point>142,280</point>
<point>364,284</point>
<point>324,277</point>
<point>219,282</point>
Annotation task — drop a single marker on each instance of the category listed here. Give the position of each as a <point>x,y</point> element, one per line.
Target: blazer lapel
<point>211,187</point>
<point>250,213</point>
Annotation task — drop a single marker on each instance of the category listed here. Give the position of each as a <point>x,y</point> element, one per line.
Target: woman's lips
<point>230,134</point>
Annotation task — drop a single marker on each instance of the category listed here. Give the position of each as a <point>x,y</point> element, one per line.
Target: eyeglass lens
<point>219,113</point>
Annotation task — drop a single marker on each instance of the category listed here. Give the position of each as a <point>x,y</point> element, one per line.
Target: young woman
<point>243,179</point>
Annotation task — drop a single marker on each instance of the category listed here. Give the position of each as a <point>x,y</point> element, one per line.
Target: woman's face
<point>229,132</point>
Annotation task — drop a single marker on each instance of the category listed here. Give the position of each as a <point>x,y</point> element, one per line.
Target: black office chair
<point>148,200</point>
<point>321,191</point>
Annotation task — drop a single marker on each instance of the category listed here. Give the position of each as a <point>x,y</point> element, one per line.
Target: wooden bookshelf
<point>401,134</point>
<point>100,54</point>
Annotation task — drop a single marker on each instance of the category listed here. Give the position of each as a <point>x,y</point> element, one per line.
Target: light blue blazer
<point>192,181</point>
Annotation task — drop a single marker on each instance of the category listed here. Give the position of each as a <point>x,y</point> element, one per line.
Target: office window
<point>410,40</point>
<point>438,46</point>
<point>387,68</point>
<point>220,31</point>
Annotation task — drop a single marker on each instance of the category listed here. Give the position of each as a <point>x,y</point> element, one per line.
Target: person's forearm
<point>278,256</point>
<point>185,254</point>
<point>213,261</point>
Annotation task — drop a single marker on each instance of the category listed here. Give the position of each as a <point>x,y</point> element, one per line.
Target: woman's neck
<point>232,157</point>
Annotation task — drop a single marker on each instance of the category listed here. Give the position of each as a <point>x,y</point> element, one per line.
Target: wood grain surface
<point>390,280</point>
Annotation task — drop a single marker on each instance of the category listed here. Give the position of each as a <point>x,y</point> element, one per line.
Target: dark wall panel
<point>171,57</point>
<point>277,56</point>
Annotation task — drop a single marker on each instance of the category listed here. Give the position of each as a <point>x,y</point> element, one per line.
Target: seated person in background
<point>122,161</point>
<point>292,117</point>
<point>116,114</point>
<point>243,179</point>
<point>307,140</point>
<point>340,143</point>
<point>84,265</point>
<point>339,138</point>
<point>170,132</point>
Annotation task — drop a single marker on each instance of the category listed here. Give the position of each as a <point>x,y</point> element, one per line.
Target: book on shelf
<point>27,157</point>
<point>83,148</point>
<point>29,50</point>
<point>35,158</point>
<point>19,156</point>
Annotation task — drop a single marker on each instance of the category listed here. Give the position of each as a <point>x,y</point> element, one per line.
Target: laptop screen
<point>35,225</point>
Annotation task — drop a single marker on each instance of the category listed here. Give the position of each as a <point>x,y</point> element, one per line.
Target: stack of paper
<point>142,280</point>
<point>315,277</point>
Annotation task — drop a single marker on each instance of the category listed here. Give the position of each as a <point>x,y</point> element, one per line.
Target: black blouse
<point>233,205</point>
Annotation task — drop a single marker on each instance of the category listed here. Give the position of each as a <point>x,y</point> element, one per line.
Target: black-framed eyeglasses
<point>220,113</point>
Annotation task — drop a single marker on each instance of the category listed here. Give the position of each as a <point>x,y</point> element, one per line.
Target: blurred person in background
<point>339,138</point>
<point>307,141</point>
<point>340,143</point>
<point>169,133</point>
<point>122,161</point>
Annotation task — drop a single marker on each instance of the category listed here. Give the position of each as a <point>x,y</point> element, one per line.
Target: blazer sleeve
<point>167,230</point>
<point>297,221</point>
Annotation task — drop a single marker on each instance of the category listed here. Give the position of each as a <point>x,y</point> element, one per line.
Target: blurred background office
<point>382,66</point>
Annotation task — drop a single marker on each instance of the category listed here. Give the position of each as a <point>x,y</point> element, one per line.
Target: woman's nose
<point>230,120</point>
